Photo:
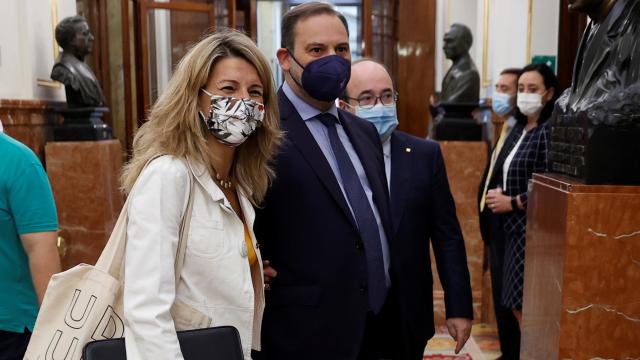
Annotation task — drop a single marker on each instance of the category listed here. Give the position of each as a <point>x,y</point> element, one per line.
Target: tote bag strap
<point>184,229</point>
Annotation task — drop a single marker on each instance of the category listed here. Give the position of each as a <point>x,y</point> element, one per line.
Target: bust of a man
<point>80,83</point>
<point>596,126</point>
<point>608,59</point>
<point>461,84</point>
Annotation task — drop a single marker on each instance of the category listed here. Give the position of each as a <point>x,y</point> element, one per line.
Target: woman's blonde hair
<point>174,128</point>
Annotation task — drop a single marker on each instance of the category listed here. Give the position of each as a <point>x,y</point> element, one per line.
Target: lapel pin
<point>407,149</point>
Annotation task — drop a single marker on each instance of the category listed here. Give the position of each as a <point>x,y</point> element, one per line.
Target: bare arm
<point>43,259</point>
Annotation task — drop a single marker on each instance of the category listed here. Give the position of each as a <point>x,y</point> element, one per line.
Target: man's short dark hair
<point>66,31</point>
<point>512,71</point>
<point>293,16</point>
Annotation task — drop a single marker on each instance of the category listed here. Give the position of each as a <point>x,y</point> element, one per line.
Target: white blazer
<point>216,278</point>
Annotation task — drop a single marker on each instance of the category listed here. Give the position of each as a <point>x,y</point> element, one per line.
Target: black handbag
<point>215,343</point>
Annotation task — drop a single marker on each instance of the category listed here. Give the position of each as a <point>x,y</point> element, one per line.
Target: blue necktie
<point>367,224</point>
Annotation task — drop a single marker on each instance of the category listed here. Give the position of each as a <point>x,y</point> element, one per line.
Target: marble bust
<point>80,83</point>
<point>461,84</point>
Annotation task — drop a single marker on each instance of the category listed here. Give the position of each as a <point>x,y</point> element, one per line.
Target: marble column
<point>582,271</point>
<point>84,176</point>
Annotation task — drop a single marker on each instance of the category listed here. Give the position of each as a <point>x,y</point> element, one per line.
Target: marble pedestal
<point>465,162</point>
<point>582,271</point>
<point>84,177</point>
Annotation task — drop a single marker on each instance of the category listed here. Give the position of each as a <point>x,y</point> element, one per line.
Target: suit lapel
<point>509,144</point>
<point>400,177</point>
<point>301,137</point>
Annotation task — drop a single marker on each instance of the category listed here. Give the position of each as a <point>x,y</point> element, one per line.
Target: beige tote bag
<point>84,303</point>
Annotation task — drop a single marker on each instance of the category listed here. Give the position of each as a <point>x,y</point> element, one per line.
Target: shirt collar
<point>386,148</point>
<point>305,110</point>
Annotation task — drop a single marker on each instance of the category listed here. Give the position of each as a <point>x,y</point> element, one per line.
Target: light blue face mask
<point>501,103</point>
<point>384,118</point>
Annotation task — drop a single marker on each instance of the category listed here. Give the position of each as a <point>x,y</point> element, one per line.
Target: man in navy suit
<point>422,208</point>
<point>325,224</point>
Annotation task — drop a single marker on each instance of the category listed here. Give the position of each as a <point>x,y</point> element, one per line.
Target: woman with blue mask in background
<point>524,153</point>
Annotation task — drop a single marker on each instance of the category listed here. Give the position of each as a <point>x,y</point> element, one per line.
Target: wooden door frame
<point>142,65</point>
<point>127,63</point>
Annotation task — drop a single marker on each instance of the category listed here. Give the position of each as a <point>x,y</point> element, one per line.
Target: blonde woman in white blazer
<point>218,120</point>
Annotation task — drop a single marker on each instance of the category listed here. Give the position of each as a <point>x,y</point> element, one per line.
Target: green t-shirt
<point>26,206</point>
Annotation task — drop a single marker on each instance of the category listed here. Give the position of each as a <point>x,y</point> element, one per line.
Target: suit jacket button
<point>358,244</point>
<point>363,287</point>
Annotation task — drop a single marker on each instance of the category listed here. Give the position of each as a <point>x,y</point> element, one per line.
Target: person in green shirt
<point>28,254</point>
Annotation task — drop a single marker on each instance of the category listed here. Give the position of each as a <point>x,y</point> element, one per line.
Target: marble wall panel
<point>582,271</point>
<point>84,177</point>
<point>30,121</point>
<point>465,162</point>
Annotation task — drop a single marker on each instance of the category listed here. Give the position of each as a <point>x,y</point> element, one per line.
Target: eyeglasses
<point>367,101</point>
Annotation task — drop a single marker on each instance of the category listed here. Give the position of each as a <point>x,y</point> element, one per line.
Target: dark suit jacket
<point>317,305</point>
<point>495,180</point>
<point>530,158</point>
<point>423,209</point>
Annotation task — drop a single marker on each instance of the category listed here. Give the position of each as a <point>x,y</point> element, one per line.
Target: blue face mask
<point>326,78</point>
<point>502,103</point>
<point>382,116</point>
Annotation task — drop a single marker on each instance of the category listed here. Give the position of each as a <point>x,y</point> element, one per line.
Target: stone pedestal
<point>84,177</point>
<point>455,122</point>
<point>83,124</point>
<point>597,154</point>
<point>465,162</point>
<point>582,271</point>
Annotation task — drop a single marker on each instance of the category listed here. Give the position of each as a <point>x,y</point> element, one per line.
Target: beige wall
<point>507,37</point>
<point>26,47</point>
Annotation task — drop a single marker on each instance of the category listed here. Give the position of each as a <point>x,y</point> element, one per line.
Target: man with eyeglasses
<point>422,208</point>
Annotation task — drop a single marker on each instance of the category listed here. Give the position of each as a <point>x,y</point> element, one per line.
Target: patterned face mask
<point>232,120</point>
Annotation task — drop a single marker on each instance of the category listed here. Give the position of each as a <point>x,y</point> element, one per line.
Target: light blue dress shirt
<point>320,133</point>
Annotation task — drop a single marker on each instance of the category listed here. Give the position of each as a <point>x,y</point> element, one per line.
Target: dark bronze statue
<point>85,101</point>
<point>80,83</point>
<point>596,127</point>
<point>461,84</point>
<point>452,109</point>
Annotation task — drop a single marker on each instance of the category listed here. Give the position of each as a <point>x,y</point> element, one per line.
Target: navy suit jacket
<point>317,305</point>
<point>423,209</point>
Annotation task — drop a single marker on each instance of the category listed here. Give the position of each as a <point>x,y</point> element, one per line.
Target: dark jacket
<point>530,158</point>
<point>423,210</point>
<point>317,305</point>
